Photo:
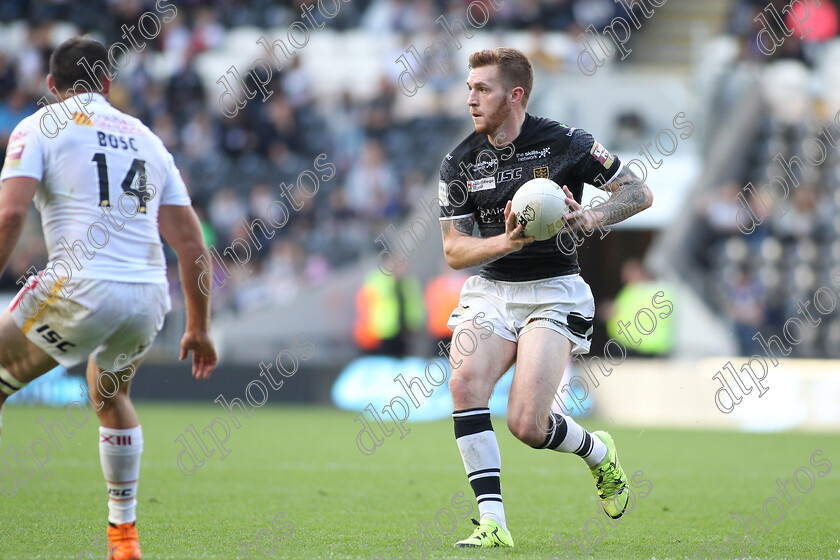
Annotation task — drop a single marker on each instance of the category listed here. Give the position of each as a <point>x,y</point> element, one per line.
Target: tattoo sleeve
<point>629,196</point>
<point>464,225</point>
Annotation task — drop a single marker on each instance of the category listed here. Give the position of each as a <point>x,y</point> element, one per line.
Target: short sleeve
<point>174,189</point>
<point>453,197</point>
<point>24,153</point>
<point>595,165</point>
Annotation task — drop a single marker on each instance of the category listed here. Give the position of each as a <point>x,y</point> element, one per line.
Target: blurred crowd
<point>233,166</point>
<point>208,19</point>
<point>769,235</point>
<point>765,256</point>
<point>759,20</point>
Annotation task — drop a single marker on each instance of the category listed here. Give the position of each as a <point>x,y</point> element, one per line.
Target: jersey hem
<point>510,280</point>
<point>612,179</point>
<point>123,279</point>
<point>13,175</point>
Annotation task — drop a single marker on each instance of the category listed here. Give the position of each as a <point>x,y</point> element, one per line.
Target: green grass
<point>304,462</point>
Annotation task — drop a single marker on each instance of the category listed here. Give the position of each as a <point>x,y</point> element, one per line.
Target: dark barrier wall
<point>175,382</point>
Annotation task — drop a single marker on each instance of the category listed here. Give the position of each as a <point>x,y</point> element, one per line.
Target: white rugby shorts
<point>563,304</point>
<point>103,319</point>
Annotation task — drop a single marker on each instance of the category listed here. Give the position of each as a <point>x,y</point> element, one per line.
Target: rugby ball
<point>539,205</point>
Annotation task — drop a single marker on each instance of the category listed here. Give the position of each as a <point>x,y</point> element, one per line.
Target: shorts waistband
<point>530,282</point>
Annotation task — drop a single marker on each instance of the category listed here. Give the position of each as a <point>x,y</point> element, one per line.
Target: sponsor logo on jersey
<point>489,215</point>
<point>82,119</point>
<point>483,166</point>
<point>483,184</point>
<point>443,193</point>
<point>118,125</point>
<point>17,137</point>
<point>13,155</point>
<point>602,155</point>
<point>508,175</point>
<point>15,149</point>
<point>541,172</point>
<point>533,154</point>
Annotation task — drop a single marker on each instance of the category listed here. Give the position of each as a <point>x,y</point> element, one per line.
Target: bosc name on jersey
<point>97,235</point>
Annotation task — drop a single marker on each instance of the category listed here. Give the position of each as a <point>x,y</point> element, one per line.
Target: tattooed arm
<point>462,250</point>
<point>629,196</point>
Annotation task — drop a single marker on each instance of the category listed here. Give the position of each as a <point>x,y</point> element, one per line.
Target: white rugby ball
<point>540,205</point>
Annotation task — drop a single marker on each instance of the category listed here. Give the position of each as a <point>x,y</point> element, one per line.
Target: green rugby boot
<point>487,534</point>
<point>610,479</point>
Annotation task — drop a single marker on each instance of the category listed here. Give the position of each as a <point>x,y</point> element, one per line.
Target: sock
<point>119,453</point>
<point>480,452</point>
<point>9,385</point>
<point>568,436</point>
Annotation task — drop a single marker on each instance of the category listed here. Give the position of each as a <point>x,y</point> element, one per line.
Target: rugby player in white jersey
<point>107,190</point>
<point>528,304</point>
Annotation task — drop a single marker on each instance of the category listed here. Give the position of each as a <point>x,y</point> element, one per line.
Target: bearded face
<point>488,101</point>
<point>492,117</point>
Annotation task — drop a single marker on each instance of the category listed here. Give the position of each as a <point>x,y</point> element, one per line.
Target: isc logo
<point>508,174</point>
<point>53,338</point>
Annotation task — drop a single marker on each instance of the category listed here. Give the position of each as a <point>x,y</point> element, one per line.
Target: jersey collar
<point>97,97</point>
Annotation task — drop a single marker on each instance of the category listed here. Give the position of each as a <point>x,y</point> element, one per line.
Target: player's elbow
<point>191,249</point>
<point>188,248</point>
<point>13,216</point>
<point>452,257</point>
<point>648,197</point>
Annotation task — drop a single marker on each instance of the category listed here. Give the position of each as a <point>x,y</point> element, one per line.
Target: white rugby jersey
<point>89,170</point>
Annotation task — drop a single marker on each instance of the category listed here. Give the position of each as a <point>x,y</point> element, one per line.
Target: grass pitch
<point>304,463</point>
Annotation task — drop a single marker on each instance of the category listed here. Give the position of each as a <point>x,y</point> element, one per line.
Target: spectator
<point>371,188</point>
<point>389,309</point>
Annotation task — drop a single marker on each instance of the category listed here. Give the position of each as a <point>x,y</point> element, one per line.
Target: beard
<point>492,120</point>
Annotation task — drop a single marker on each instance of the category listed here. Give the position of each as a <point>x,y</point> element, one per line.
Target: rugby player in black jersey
<point>530,293</point>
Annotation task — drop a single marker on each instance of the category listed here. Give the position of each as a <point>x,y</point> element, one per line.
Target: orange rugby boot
<point>124,541</point>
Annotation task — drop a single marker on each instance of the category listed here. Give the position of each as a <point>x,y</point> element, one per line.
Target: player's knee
<point>110,403</point>
<point>524,428</point>
<point>463,384</point>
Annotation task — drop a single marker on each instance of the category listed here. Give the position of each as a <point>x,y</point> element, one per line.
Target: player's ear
<point>106,85</point>
<point>51,85</point>
<point>516,95</point>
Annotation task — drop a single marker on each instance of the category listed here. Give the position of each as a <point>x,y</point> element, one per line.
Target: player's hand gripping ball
<point>539,206</point>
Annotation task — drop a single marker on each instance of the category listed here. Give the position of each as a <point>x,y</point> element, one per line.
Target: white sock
<point>568,436</point>
<point>482,460</point>
<point>119,453</point>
